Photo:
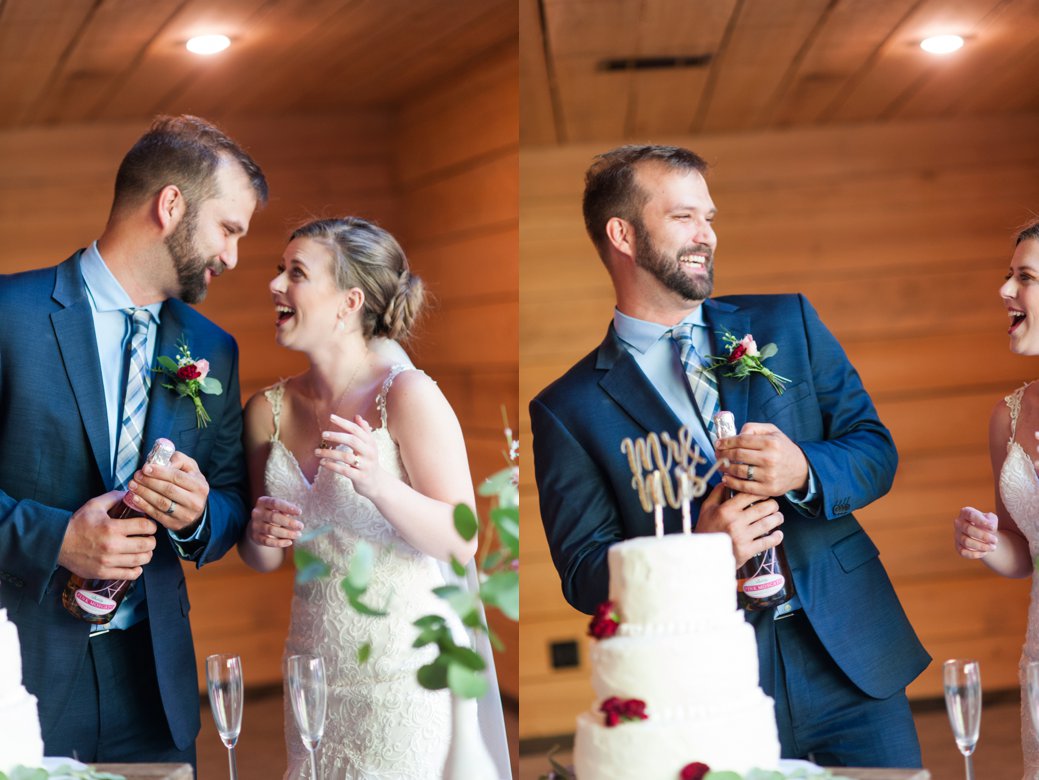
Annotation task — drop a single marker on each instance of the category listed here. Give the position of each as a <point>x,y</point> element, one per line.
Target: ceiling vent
<point>655,63</point>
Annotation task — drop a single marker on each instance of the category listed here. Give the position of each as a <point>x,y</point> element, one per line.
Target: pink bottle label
<point>94,603</point>
<point>764,586</point>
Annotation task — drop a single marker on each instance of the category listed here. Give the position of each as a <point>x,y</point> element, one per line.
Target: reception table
<point>148,771</point>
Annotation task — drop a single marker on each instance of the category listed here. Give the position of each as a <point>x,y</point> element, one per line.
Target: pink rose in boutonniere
<point>745,358</point>
<point>189,378</point>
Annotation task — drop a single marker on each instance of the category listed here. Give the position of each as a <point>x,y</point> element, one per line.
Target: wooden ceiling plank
<point>362,58</point>
<point>766,38</point>
<point>34,34</point>
<point>165,66</point>
<point>1000,42</point>
<point>399,76</point>
<point>581,34</point>
<point>853,31</point>
<point>901,67</point>
<point>537,113</point>
<point>278,36</point>
<point>666,102</point>
<point>111,42</point>
<point>595,102</point>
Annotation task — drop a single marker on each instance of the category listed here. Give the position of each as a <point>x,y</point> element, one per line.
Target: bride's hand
<point>360,460</point>
<point>975,532</point>
<point>274,523</point>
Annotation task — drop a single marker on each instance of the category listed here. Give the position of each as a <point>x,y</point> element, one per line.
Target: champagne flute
<point>224,680</point>
<point>962,678</point>
<point>307,692</point>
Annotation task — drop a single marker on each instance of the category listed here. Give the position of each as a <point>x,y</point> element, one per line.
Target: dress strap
<point>274,396</point>
<point>1013,402</point>
<point>395,371</point>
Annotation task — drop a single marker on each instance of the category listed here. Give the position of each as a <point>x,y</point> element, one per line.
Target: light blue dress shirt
<point>112,329</point>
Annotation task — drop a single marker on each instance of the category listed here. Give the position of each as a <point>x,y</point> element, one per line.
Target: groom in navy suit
<point>838,657</point>
<point>74,340</point>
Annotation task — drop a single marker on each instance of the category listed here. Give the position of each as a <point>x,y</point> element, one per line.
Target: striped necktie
<point>701,380</point>
<point>135,399</point>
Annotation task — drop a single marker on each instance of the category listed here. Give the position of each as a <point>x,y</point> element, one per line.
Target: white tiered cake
<point>20,741</point>
<point>685,650</point>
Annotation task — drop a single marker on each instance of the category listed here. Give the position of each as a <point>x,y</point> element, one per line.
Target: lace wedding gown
<point>1019,489</point>
<point>380,723</point>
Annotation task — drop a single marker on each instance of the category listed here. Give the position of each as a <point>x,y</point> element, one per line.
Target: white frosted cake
<point>684,650</point>
<point>20,741</point>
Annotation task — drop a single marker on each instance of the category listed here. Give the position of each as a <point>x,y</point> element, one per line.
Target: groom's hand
<point>763,461</point>
<point>173,496</point>
<point>97,546</point>
<point>747,520</point>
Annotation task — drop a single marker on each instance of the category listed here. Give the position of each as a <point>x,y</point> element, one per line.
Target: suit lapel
<point>625,383</point>
<point>74,332</point>
<point>163,403</point>
<point>733,393</point>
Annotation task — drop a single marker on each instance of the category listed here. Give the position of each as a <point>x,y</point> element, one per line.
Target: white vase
<point>467,758</point>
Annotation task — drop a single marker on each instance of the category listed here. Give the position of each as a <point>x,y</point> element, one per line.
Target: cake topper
<point>657,463</point>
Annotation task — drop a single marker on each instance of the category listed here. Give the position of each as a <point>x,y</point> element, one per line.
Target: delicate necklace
<point>325,444</point>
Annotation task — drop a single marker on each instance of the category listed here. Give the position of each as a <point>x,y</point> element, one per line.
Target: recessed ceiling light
<point>941,44</point>
<point>208,44</point>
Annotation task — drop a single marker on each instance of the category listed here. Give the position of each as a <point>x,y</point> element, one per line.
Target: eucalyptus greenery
<point>457,667</point>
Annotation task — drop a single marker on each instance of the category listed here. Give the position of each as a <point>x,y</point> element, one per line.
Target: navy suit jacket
<point>588,503</point>
<point>54,456</point>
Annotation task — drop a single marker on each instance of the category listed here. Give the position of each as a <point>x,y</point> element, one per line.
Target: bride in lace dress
<point>1008,540</point>
<point>366,446</point>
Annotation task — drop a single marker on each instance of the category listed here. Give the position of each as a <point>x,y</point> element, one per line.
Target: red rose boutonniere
<point>745,358</point>
<point>189,378</point>
<point>694,771</point>
<point>619,710</point>
<point>605,622</point>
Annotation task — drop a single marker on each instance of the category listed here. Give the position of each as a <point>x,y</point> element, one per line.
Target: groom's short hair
<point>611,190</point>
<point>184,151</point>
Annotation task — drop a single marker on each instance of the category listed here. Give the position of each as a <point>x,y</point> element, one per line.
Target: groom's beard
<point>189,262</point>
<point>668,269</point>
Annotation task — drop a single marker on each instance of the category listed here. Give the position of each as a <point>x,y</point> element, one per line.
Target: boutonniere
<point>745,358</point>
<point>188,378</point>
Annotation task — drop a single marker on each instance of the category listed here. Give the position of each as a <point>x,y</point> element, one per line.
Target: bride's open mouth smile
<point>1017,317</point>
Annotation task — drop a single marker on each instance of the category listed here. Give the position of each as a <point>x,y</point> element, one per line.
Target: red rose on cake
<point>694,771</point>
<point>619,710</point>
<point>605,622</point>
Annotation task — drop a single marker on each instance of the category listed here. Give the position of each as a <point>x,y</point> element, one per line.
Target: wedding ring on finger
<point>172,507</point>
<point>356,463</point>
<point>750,472</point>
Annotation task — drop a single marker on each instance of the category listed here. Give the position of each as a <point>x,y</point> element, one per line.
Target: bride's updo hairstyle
<point>367,257</point>
<point>1028,232</point>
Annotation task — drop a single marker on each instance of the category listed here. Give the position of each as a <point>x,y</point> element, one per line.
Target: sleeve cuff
<point>808,502</point>
<point>190,548</point>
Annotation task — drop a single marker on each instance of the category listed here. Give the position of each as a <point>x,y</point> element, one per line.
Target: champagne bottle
<point>764,581</point>
<point>96,601</point>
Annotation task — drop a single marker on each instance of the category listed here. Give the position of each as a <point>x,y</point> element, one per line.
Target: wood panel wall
<point>456,166</point>
<point>900,235</point>
<point>55,191</point>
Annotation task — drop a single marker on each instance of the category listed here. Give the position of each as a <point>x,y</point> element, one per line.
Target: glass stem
<point>970,768</point>
<point>313,763</point>
<point>232,764</point>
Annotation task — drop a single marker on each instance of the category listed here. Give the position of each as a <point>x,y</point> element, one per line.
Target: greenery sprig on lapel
<point>188,378</point>
<point>745,358</point>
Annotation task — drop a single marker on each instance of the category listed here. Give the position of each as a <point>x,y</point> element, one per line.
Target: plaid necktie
<point>135,400</point>
<point>701,380</point>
